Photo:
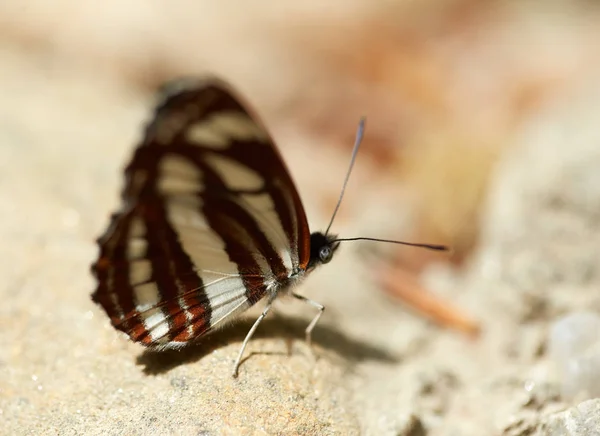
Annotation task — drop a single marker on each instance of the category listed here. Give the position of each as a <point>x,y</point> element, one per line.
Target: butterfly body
<point>210,223</point>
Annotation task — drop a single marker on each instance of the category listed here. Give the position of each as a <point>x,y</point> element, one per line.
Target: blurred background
<point>481,127</point>
<point>446,84</point>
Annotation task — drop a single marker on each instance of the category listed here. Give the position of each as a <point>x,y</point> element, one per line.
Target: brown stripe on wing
<point>114,291</point>
<point>177,335</point>
<point>195,104</point>
<point>173,270</point>
<point>234,223</point>
<point>235,227</point>
<point>170,263</point>
<point>282,190</point>
<point>216,195</point>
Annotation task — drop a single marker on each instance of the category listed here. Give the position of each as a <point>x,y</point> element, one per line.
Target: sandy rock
<point>580,420</point>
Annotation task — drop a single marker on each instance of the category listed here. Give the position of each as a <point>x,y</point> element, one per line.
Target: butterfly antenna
<point>435,247</point>
<point>359,136</point>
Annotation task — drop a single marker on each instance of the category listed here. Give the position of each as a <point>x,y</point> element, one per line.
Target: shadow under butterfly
<point>349,348</point>
<point>210,224</point>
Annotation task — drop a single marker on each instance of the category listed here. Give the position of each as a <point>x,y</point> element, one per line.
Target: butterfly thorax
<point>322,248</point>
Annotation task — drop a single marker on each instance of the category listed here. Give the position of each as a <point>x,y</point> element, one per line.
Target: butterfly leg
<point>315,320</point>
<point>238,361</point>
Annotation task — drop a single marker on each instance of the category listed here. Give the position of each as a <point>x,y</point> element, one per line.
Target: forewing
<point>210,222</point>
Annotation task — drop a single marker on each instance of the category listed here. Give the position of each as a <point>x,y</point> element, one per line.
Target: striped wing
<point>211,221</point>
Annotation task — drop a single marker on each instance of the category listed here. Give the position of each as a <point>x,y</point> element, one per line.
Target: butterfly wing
<point>210,223</point>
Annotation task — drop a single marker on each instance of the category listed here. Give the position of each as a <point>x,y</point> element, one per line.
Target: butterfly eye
<point>325,254</point>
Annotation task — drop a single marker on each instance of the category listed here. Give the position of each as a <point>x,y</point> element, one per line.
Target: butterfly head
<point>322,248</point>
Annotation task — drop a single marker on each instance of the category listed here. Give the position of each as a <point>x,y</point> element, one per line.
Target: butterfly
<point>210,224</point>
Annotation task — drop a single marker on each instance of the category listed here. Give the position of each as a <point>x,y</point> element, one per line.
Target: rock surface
<point>583,419</point>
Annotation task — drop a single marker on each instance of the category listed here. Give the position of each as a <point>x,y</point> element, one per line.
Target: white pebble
<point>574,346</point>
